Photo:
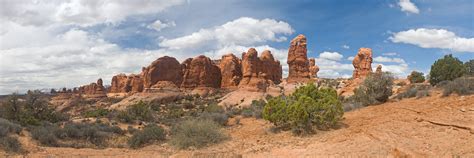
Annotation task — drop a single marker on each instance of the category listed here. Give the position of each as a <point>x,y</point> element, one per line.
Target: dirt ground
<point>428,127</point>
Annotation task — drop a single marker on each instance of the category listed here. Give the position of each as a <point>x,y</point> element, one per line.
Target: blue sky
<point>53,44</point>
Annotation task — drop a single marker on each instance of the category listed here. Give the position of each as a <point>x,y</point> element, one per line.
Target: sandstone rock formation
<point>163,69</point>
<point>270,67</point>
<point>93,90</point>
<point>298,60</point>
<point>378,71</point>
<point>200,72</point>
<point>122,83</point>
<point>252,75</point>
<point>231,70</point>
<point>313,68</point>
<point>362,63</point>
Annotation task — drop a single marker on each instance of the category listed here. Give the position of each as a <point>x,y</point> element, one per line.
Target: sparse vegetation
<point>446,69</point>
<point>149,134</point>
<point>101,112</point>
<point>417,91</point>
<point>139,111</point>
<point>7,141</point>
<point>470,67</point>
<point>416,77</point>
<point>308,106</point>
<point>374,90</point>
<point>460,86</point>
<point>196,133</point>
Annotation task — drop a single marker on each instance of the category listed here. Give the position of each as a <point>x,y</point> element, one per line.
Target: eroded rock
<point>298,60</point>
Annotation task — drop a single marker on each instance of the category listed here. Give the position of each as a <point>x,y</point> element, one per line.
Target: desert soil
<point>428,127</point>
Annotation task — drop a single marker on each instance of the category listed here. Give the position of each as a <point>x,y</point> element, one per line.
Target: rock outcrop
<point>122,83</point>
<point>163,69</point>
<point>270,67</point>
<point>200,72</point>
<point>313,68</point>
<point>378,71</point>
<point>362,63</point>
<point>251,74</point>
<point>298,60</point>
<point>231,71</point>
<point>93,90</point>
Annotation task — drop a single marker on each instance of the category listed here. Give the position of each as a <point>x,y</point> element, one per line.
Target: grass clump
<point>149,134</point>
<point>460,86</point>
<point>307,107</point>
<point>196,133</point>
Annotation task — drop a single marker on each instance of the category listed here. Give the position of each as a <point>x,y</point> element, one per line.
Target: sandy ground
<point>426,127</point>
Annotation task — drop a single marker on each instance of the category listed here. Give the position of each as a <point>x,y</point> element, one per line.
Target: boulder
<point>362,63</point>
<point>313,68</point>
<point>378,71</point>
<point>200,72</point>
<point>298,60</point>
<point>231,72</point>
<point>163,69</point>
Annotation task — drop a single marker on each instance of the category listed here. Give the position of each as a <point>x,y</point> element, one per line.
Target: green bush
<point>308,106</point>
<point>447,68</point>
<point>7,142</point>
<point>375,89</point>
<point>196,133</point>
<point>416,77</point>
<point>247,112</point>
<point>461,86</point>
<point>139,111</point>
<point>7,127</point>
<point>45,135</point>
<point>149,134</point>
<point>101,112</point>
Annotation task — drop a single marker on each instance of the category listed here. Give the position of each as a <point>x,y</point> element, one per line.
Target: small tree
<point>447,68</point>
<point>416,77</point>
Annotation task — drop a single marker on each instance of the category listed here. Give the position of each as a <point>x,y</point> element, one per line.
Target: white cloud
<point>388,60</point>
<point>345,46</point>
<point>350,58</point>
<point>243,31</point>
<point>434,38</point>
<point>158,25</point>
<point>331,56</point>
<point>390,54</point>
<point>408,6</point>
<point>79,12</point>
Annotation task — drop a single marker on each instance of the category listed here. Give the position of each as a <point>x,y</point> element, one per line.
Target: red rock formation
<point>231,72</point>
<point>163,69</point>
<point>313,68</point>
<point>119,84</point>
<point>379,69</point>
<point>298,60</point>
<point>270,67</point>
<point>93,90</point>
<point>252,76</point>
<point>200,72</point>
<point>362,63</point>
<point>135,82</point>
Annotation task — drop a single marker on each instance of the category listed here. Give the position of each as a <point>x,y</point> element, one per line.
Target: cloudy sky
<point>66,43</point>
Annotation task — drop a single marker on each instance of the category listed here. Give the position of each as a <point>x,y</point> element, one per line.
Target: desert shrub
<point>30,111</point>
<point>214,108</point>
<point>139,111</point>
<point>410,93</point>
<point>7,127</point>
<point>196,133</point>
<point>401,84</point>
<point>447,68</point>
<point>257,108</point>
<point>416,77</point>
<point>470,67</point>
<point>308,106</point>
<point>219,118</point>
<point>101,112</point>
<point>422,93</point>
<point>45,135</point>
<point>375,89</point>
<point>461,86</point>
<point>149,134</point>
<point>247,112</point>
<point>10,144</point>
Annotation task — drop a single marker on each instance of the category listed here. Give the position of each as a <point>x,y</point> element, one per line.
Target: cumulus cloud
<point>243,31</point>
<point>158,25</point>
<point>331,56</point>
<point>388,59</point>
<point>400,70</point>
<point>408,6</point>
<point>434,38</point>
<point>79,12</point>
